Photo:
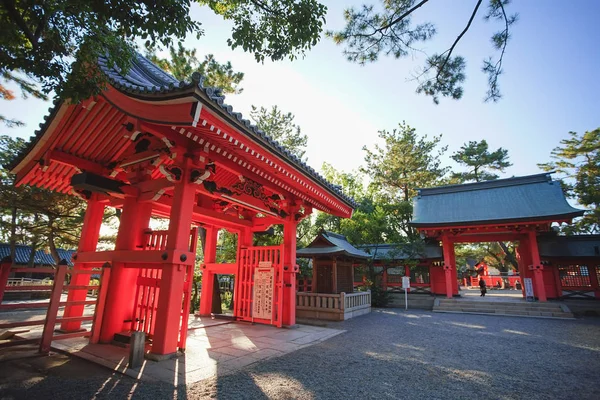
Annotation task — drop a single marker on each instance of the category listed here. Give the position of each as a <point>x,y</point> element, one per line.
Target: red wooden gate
<point>251,259</point>
<point>148,289</point>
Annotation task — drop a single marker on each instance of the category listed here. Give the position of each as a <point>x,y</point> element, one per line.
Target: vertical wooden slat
<point>100,302</point>
<point>51,315</point>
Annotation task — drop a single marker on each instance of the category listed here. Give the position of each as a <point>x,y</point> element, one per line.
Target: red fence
<point>57,289</point>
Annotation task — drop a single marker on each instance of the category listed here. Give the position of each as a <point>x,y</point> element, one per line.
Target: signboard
<point>528,284</point>
<point>405,282</point>
<point>262,296</point>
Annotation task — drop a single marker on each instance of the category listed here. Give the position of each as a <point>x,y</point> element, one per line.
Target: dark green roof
<point>330,244</point>
<point>570,246</point>
<point>519,199</point>
<point>383,252</point>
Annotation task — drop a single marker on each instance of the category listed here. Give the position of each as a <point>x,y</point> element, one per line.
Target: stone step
<point>503,304</point>
<point>523,309</point>
<point>502,309</point>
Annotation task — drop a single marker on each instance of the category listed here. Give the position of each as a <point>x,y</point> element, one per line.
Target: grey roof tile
<point>338,245</point>
<point>22,254</point>
<point>384,252</point>
<point>532,197</point>
<point>586,246</point>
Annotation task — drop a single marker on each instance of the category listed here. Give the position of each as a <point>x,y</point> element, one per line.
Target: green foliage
<point>379,297</point>
<point>389,30</point>
<point>41,39</point>
<point>227,300</point>
<point>272,29</point>
<point>577,159</point>
<point>33,216</point>
<point>404,163</point>
<point>280,126</point>
<point>183,63</point>
<point>479,161</point>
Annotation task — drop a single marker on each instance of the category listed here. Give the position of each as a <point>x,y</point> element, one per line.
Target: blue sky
<point>550,86</point>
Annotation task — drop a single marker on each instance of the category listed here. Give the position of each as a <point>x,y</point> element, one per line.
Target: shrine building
<point>393,261</point>
<point>329,293</point>
<point>154,146</point>
<point>519,209</point>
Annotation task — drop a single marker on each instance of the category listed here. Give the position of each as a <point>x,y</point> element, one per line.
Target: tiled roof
<point>570,246</point>
<point>329,243</point>
<point>383,252</point>
<point>533,197</point>
<point>146,79</point>
<point>22,254</point>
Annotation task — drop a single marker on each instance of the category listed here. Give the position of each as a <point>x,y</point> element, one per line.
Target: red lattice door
<point>148,289</point>
<point>259,285</point>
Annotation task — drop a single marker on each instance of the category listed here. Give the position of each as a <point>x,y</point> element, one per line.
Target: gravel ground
<point>386,354</point>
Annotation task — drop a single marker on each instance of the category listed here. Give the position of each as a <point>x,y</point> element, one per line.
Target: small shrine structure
<point>151,145</point>
<point>574,262</point>
<point>394,261</point>
<point>330,294</point>
<point>515,209</point>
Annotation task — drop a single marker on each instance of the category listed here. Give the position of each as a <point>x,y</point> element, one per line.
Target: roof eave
<point>549,218</point>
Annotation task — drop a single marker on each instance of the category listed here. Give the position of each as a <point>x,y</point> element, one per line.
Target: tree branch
<point>12,12</point>
<point>400,18</point>
<point>449,51</point>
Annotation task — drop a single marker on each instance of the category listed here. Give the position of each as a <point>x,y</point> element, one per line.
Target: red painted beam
<point>136,257</point>
<point>160,113</point>
<point>77,162</point>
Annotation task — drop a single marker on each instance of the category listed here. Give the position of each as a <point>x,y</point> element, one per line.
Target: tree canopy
<point>280,126</point>
<point>388,29</point>
<point>50,41</point>
<point>405,162</point>
<point>182,63</point>
<point>577,159</point>
<point>34,216</point>
<point>479,162</point>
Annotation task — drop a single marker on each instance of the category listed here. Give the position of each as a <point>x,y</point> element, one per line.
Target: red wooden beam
<point>136,257</point>
<point>77,162</point>
<point>161,113</point>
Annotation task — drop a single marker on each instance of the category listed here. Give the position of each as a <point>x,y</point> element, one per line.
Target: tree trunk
<point>51,243</point>
<point>511,257</point>
<point>13,236</point>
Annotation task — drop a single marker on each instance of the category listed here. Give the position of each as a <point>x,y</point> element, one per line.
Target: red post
<point>5,266</point>
<point>289,274</point>
<point>51,315</point>
<point>210,255</point>
<point>538,268</point>
<point>168,314</point>
<point>448,249</point>
<point>100,303</point>
<point>88,241</point>
<point>121,288</point>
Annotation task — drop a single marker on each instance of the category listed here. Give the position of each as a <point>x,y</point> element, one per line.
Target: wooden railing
<point>358,300</point>
<point>28,282</point>
<point>321,301</point>
<point>58,287</point>
<point>332,306</point>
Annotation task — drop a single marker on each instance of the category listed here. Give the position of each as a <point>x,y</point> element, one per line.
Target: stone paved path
<point>389,354</point>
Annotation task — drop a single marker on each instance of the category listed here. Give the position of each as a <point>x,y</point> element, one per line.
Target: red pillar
<point>384,278</point>
<point>5,266</point>
<point>121,288</point>
<point>210,256</point>
<point>90,232</point>
<point>538,268</point>
<point>168,313</point>
<point>448,250</point>
<point>289,273</point>
<point>524,260</point>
